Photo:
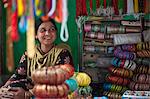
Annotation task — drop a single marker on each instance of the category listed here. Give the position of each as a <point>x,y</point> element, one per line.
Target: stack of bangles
<point>95,35</point>
<point>142,61</point>
<point>97,28</point>
<point>112,29</point>
<point>143,53</point>
<point>127,47</point>
<point>124,54</point>
<point>143,69</point>
<point>121,72</point>
<point>143,46</point>
<point>128,64</point>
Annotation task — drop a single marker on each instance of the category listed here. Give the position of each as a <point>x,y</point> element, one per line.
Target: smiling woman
<point>46,54</point>
<point>46,33</point>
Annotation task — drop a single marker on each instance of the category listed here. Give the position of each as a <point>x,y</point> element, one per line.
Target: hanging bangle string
<point>94,6</point>
<point>115,5</point>
<point>51,12</point>
<point>64,35</point>
<point>97,4</point>
<point>141,6</point>
<point>104,4</point>
<point>20,7</point>
<point>125,7</point>
<point>136,6</point>
<point>147,8</point>
<point>121,6</point>
<point>130,7</point>
<point>88,7</point>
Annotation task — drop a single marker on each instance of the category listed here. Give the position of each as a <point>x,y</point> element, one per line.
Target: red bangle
<point>122,63</point>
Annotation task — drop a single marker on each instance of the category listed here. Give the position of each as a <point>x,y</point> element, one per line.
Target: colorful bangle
<point>122,63</point>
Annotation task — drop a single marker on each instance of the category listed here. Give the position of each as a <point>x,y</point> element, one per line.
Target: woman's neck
<point>46,48</point>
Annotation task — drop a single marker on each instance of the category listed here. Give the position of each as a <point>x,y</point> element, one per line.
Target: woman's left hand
<point>19,93</point>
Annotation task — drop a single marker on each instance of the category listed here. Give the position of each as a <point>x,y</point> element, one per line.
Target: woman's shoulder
<point>63,46</point>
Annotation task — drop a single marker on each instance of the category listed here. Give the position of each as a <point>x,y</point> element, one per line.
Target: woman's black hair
<point>39,21</point>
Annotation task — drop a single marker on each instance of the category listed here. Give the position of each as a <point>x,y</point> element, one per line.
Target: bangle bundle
<point>128,64</point>
<point>117,80</point>
<point>131,38</point>
<point>127,47</point>
<point>124,54</point>
<point>114,88</point>
<point>120,72</point>
<point>132,29</point>
<point>87,27</point>
<point>95,35</point>
<point>95,49</point>
<point>50,81</point>
<point>98,28</point>
<point>53,75</point>
<point>112,95</point>
<point>115,29</point>
<point>108,36</point>
<point>72,83</point>
<point>51,91</point>
<point>84,91</point>
<point>143,69</point>
<point>143,61</point>
<point>142,78</point>
<point>143,46</point>
<point>83,79</point>
<point>139,86</point>
<point>143,53</point>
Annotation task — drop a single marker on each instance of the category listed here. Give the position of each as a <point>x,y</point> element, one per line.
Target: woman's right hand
<point>5,93</point>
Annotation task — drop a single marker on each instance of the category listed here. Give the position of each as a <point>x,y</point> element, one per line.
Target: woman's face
<point>46,33</point>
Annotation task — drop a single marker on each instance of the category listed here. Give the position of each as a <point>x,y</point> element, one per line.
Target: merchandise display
<point>104,50</point>
<point>136,94</point>
<point>115,42</point>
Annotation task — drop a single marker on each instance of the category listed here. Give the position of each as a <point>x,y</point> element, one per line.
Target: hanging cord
<point>52,10</point>
<point>64,30</point>
<point>130,7</point>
